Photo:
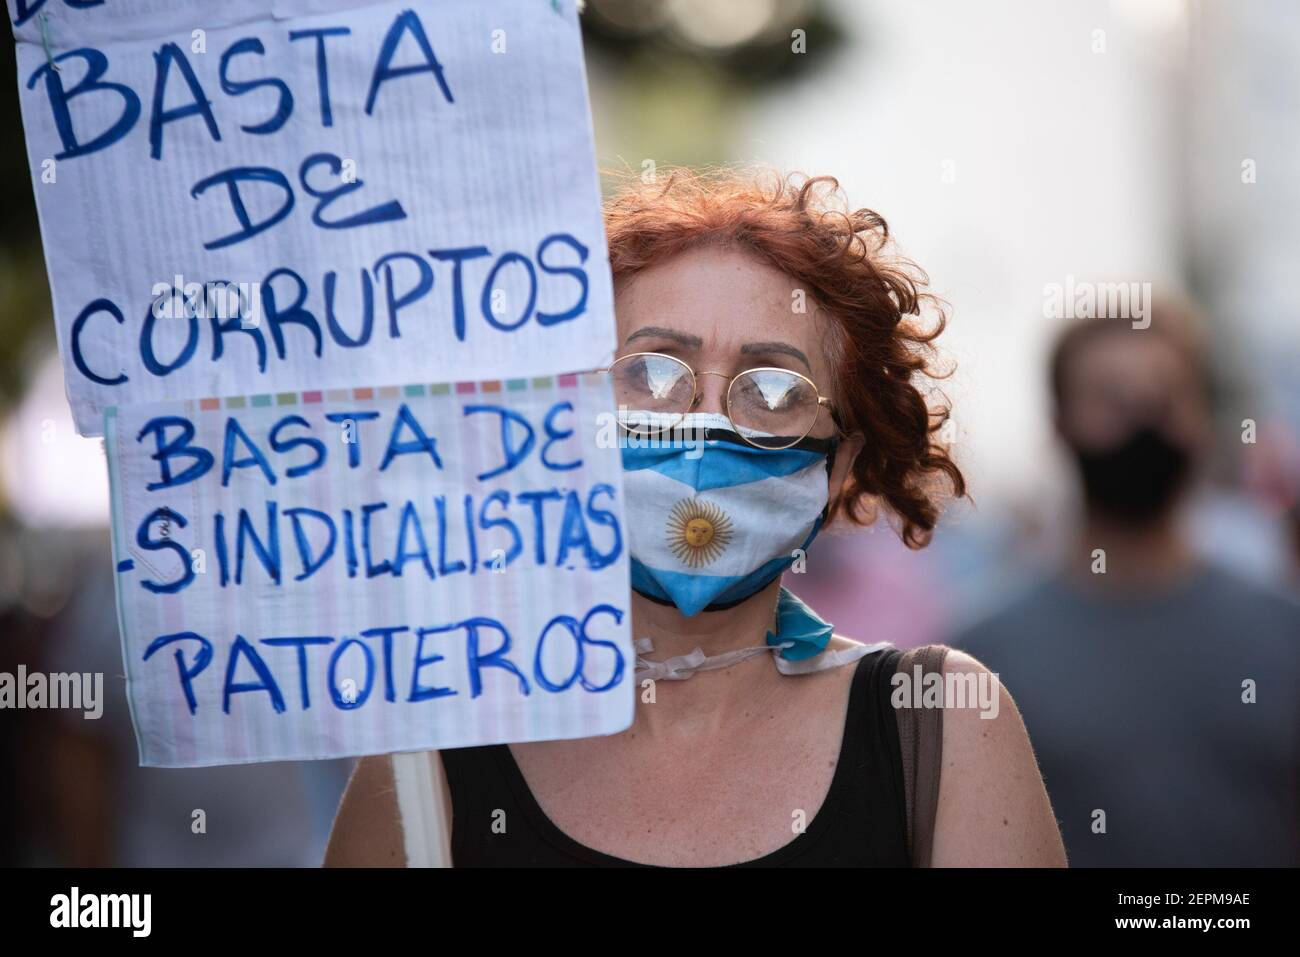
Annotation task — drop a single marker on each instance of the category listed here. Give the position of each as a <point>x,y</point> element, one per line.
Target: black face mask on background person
<point>1136,480</point>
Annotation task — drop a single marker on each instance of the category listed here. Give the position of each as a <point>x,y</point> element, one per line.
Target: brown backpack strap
<point>920,738</point>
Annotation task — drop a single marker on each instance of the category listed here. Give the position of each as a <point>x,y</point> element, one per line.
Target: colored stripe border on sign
<point>567,380</point>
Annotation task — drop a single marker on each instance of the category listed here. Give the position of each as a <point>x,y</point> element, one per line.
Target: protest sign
<point>307,575</point>
<point>266,196</point>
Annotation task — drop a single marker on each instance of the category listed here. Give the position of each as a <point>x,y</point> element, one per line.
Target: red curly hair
<point>803,226</point>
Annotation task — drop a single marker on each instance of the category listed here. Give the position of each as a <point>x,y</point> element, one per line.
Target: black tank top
<point>861,823</point>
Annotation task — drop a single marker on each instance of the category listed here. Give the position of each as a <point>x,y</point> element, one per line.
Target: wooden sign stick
<point>424,804</point>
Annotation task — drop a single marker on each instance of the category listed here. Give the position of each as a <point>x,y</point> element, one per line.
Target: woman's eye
<point>772,390</point>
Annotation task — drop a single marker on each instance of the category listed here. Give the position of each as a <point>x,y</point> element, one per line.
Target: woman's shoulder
<point>993,809</point>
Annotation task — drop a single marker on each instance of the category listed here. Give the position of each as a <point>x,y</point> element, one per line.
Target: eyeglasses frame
<point>822,401</point>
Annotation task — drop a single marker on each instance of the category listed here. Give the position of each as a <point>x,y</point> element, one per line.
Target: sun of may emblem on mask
<point>698,531</point>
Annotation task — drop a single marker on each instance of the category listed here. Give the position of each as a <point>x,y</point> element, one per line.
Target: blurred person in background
<point>1293,525</point>
<point>1161,693</point>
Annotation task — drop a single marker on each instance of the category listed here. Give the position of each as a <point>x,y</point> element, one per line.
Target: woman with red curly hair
<point>767,382</point>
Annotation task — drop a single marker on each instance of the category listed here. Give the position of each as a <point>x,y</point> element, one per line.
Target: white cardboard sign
<point>264,196</point>
<point>317,574</point>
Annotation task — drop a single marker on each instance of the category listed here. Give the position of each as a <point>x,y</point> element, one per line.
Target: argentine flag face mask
<point>712,519</point>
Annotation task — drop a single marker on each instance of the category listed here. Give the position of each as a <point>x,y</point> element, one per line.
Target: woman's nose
<point>711,392</point>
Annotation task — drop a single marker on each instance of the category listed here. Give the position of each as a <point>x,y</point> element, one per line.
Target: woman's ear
<point>845,456</point>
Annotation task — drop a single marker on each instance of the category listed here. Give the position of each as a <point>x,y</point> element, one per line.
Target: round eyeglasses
<point>770,408</point>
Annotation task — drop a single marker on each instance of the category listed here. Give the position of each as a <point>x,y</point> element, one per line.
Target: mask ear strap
<point>830,468</point>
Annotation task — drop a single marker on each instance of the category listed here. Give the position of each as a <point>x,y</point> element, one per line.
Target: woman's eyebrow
<point>660,332</point>
<point>781,348</point>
